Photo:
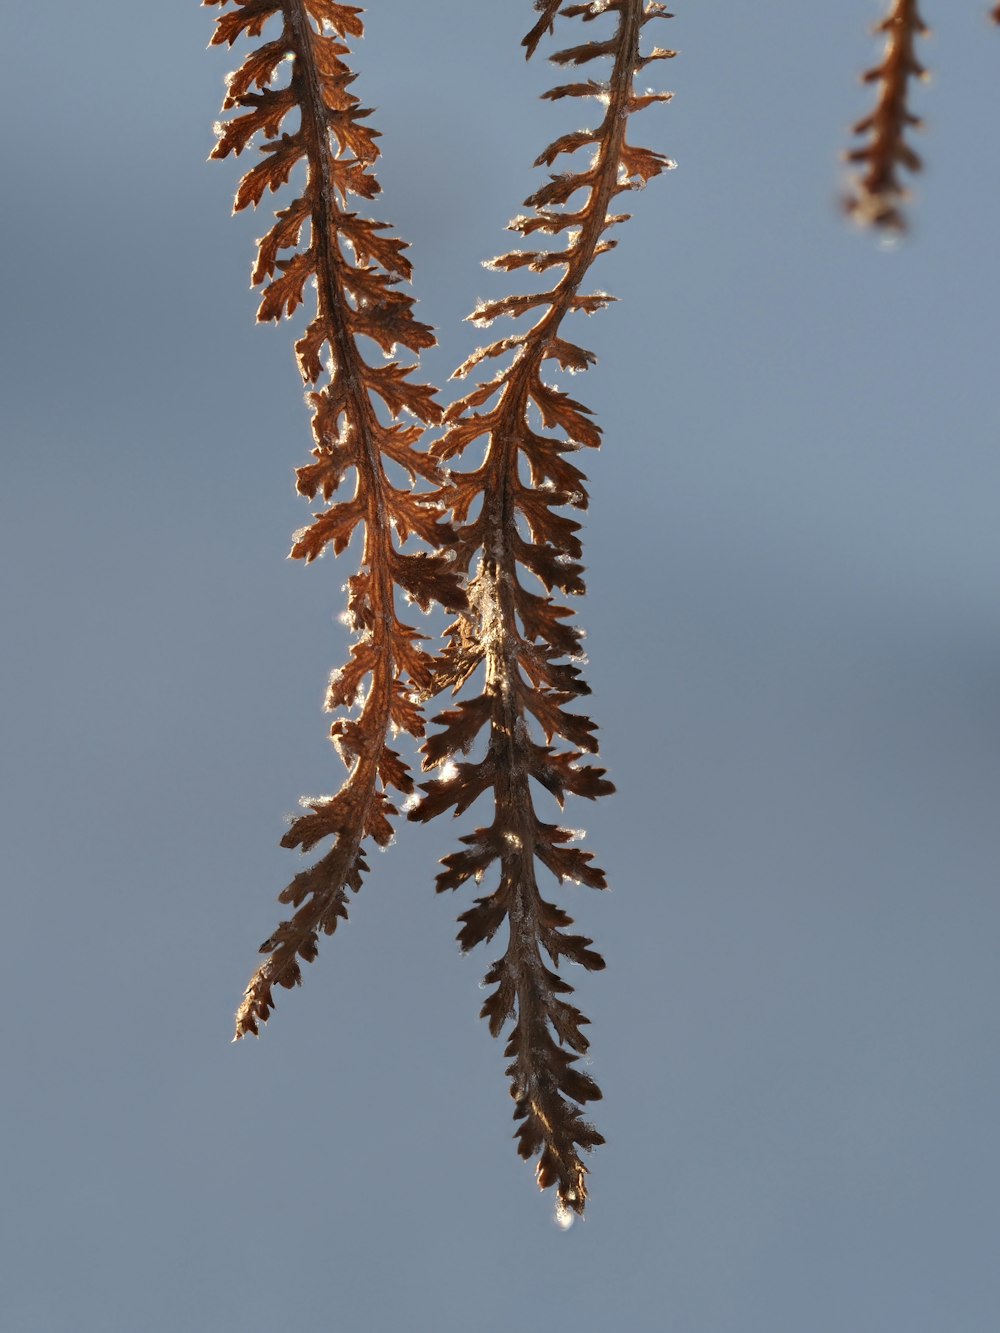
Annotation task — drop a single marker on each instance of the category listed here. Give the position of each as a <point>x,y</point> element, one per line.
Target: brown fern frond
<point>877,195</point>
<point>522,640</point>
<point>355,268</point>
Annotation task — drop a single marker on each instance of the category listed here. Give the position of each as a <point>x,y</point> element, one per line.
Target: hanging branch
<point>877,193</point>
<point>355,268</point>
<point>523,642</point>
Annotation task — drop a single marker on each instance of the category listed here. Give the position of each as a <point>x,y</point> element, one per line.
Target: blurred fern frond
<point>877,194</point>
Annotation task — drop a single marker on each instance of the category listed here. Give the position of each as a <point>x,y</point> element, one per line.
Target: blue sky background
<point>794,630</point>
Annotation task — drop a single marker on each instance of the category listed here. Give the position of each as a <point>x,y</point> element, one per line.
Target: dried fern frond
<point>877,194</point>
<point>356,268</point>
<point>520,644</point>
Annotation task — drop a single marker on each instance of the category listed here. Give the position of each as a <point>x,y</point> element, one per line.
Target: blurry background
<point>794,629</point>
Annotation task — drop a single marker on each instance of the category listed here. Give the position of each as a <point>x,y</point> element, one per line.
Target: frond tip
<point>877,194</point>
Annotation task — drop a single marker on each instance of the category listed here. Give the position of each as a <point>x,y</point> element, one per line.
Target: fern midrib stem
<point>529,357</point>
<point>606,170</point>
<point>890,112</point>
<point>502,658</point>
<point>325,230</point>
